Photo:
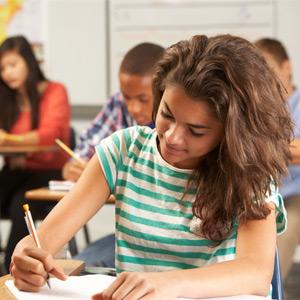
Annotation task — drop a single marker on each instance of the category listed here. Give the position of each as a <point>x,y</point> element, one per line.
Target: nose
<point>134,107</point>
<point>175,135</point>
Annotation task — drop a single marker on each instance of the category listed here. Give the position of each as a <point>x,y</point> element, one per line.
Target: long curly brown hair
<point>234,179</point>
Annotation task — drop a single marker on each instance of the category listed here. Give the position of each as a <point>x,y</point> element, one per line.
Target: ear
<point>286,69</point>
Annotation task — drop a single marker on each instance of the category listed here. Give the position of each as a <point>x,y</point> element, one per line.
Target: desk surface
<point>70,266</point>
<point>46,195</point>
<point>12,150</point>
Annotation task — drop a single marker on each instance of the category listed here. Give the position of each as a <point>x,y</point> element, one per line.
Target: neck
<point>23,99</point>
<point>42,85</point>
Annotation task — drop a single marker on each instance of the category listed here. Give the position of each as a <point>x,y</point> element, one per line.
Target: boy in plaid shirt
<point>130,106</point>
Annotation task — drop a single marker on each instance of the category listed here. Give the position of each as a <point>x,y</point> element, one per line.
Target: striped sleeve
<point>281,220</point>
<point>111,152</point>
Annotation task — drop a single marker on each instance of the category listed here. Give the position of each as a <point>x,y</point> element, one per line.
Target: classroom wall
<point>85,40</point>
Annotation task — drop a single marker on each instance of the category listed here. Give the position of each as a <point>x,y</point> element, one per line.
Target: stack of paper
<point>60,185</point>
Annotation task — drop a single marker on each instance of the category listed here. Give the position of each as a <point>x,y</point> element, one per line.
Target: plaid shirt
<point>113,116</point>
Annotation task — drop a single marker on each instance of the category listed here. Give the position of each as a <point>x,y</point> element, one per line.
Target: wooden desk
<point>17,150</point>
<point>44,194</point>
<point>70,266</point>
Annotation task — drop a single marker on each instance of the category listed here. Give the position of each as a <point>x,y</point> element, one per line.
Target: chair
<point>277,287</point>
<point>72,138</point>
<point>72,243</point>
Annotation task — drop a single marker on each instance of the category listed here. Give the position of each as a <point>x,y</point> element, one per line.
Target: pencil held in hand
<point>69,151</point>
<point>32,231</point>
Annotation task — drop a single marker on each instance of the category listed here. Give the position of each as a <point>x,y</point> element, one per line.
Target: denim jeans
<point>100,253</point>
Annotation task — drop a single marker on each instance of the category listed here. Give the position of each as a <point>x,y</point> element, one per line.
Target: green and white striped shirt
<point>155,227</point>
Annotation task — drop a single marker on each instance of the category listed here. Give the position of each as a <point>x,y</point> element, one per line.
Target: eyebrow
<point>135,96</point>
<point>197,126</point>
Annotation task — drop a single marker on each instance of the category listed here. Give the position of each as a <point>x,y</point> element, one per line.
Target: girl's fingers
<point>50,266</point>
<point>28,264</point>
<point>108,292</point>
<point>140,289</point>
<point>25,286</point>
<point>137,292</point>
<point>37,261</point>
<point>97,297</point>
<point>148,297</point>
<point>126,287</point>
<point>58,273</point>
<point>29,278</point>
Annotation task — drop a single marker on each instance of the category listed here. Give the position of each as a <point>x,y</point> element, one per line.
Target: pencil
<point>14,137</point>
<point>69,151</point>
<point>32,231</point>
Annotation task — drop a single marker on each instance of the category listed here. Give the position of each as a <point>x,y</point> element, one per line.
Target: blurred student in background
<point>34,111</point>
<point>132,105</point>
<point>277,57</point>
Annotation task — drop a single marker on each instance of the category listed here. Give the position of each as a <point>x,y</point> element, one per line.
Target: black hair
<point>9,97</point>
<point>141,59</point>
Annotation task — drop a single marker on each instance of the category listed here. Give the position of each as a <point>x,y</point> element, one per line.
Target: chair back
<point>277,287</point>
<point>72,138</point>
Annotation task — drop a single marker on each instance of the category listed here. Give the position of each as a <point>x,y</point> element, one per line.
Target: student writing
<point>196,197</point>
<point>37,111</point>
<point>131,105</point>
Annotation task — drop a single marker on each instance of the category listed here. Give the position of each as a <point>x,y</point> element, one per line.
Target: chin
<point>143,123</point>
<point>171,159</point>
<point>13,86</point>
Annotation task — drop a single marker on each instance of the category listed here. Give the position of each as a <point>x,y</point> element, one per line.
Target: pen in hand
<point>32,231</point>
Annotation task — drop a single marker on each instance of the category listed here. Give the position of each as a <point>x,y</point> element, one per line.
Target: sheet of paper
<point>241,297</point>
<point>75,287</point>
<point>83,287</point>
<point>61,185</point>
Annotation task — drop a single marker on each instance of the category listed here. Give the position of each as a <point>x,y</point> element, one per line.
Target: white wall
<point>289,32</point>
<point>75,48</point>
<point>86,39</point>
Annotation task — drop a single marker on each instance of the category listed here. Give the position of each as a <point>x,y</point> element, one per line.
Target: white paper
<point>75,287</point>
<point>83,287</point>
<point>61,185</point>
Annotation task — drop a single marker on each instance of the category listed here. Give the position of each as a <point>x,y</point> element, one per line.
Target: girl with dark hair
<point>35,111</point>
<point>197,207</point>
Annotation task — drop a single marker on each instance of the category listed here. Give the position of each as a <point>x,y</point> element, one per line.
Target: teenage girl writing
<point>197,207</point>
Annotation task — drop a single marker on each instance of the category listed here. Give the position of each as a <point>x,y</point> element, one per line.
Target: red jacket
<point>54,122</point>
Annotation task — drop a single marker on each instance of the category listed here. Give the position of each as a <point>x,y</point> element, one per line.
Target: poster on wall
<point>23,17</point>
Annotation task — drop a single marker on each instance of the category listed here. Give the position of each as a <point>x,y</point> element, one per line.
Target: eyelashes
<point>170,117</point>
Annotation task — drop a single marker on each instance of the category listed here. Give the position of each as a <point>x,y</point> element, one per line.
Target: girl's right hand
<point>31,266</point>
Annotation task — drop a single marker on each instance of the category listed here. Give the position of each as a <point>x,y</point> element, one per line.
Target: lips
<point>173,151</point>
<point>11,82</point>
